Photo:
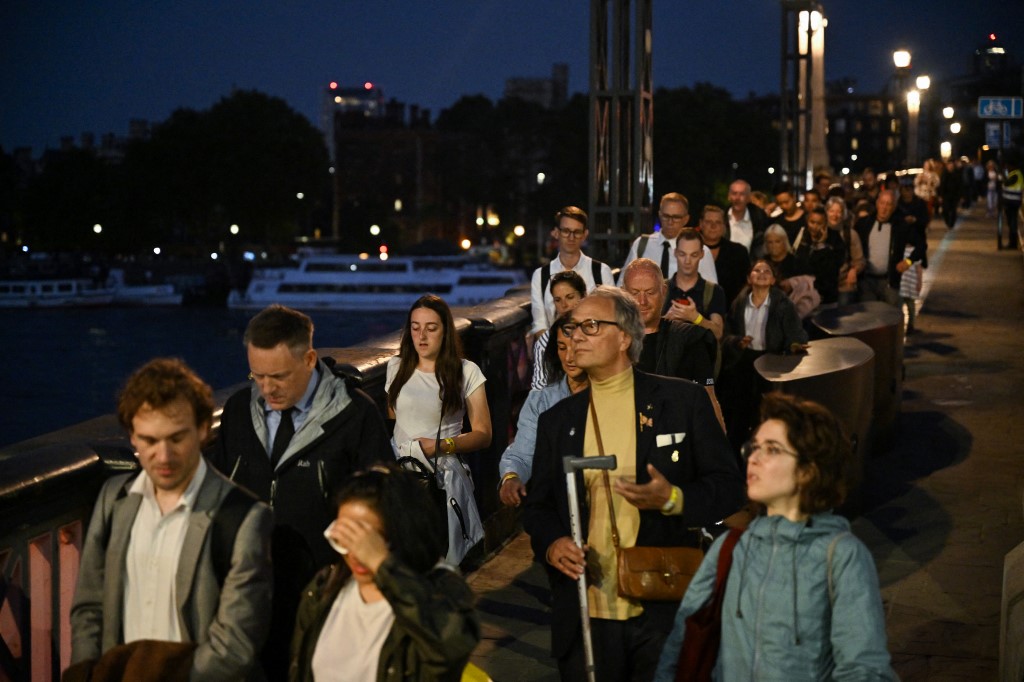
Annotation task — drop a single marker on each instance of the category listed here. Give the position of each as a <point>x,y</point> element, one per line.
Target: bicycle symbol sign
<point>1000,107</point>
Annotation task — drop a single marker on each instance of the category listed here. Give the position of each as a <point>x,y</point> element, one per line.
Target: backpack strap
<point>642,245</point>
<point>595,270</point>
<point>545,277</point>
<point>224,529</point>
<point>709,292</point>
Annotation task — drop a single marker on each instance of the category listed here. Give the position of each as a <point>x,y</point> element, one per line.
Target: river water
<point>62,366</point>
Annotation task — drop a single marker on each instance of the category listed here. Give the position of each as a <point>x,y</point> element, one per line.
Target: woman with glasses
<point>567,290</point>
<point>389,610</point>
<point>431,388</point>
<point>564,379</point>
<point>801,597</point>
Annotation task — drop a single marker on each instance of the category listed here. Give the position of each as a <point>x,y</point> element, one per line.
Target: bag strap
<point>604,473</point>
<point>831,583</point>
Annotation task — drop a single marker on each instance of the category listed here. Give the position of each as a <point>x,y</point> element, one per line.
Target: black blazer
<point>705,469</point>
<point>900,236</point>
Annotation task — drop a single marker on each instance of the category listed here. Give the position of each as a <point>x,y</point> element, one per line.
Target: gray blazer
<point>228,623</point>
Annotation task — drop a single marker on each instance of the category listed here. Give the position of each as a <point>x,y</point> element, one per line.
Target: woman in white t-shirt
<point>429,378</point>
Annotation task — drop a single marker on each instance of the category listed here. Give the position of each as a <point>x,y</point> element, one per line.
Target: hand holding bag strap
<point>604,473</point>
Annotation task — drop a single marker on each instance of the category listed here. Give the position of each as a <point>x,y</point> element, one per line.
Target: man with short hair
<point>673,213</point>
<point>690,297</point>
<point>884,238</point>
<point>294,438</point>
<point>747,220</point>
<point>671,348</point>
<point>821,255</point>
<point>792,220</point>
<point>675,472</point>
<point>732,260</point>
<point>176,552</point>
<point>571,231</point>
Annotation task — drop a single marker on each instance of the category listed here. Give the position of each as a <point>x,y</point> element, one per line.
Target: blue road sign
<point>1000,107</point>
<point>993,138</point>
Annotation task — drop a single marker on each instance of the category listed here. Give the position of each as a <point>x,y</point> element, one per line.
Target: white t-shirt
<point>418,408</point>
<point>352,637</point>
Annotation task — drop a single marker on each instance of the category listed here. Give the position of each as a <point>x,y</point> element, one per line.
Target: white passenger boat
<point>53,293</point>
<point>348,282</point>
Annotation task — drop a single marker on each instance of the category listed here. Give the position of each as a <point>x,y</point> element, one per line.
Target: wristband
<point>449,446</point>
<point>672,500</point>
<point>508,477</point>
<point>908,261</point>
<point>697,320</point>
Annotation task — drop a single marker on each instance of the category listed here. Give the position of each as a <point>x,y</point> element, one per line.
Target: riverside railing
<point>48,485</point>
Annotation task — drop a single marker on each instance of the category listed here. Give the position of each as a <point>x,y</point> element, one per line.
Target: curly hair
<point>160,382</point>
<point>448,367</point>
<point>824,452</point>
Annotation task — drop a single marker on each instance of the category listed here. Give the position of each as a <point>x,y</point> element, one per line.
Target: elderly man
<point>747,221</point>
<point>673,213</point>
<point>571,231</point>
<point>176,552</point>
<point>884,238</point>
<point>293,438</point>
<point>671,348</point>
<point>675,472</point>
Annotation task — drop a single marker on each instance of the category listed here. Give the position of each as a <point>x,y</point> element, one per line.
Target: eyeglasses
<point>671,217</point>
<point>571,234</point>
<point>589,327</point>
<point>769,447</point>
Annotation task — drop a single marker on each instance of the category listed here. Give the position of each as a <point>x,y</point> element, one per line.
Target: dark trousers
<point>1011,209</point>
<point>624,651</point>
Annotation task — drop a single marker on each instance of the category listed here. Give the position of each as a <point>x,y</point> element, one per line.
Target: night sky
<point>67,67</point>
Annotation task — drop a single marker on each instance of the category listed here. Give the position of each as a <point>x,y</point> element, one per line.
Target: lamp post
<point>913,113</point>
<point>901,60</point>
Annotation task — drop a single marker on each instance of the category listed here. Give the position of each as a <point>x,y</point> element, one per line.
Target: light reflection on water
<point>63,366</point>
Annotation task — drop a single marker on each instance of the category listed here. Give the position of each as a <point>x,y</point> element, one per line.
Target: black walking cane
<point>571,465</point>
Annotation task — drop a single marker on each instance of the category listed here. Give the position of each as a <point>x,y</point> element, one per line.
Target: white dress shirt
<point>755,321</point>
<point>150,600</point>
<point>741,231</point>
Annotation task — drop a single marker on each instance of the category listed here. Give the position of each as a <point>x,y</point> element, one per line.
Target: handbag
<point>703,633</point>
<point>647,573</point>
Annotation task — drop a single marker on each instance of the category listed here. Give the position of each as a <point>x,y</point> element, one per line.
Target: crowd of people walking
<point>311,536</point>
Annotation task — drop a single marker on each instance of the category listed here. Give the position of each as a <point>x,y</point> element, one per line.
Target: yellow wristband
<point>673,499</point>
<point>908,261</point>
<point>449,446</point>
<point>508,477</point>
<point>697,320</point>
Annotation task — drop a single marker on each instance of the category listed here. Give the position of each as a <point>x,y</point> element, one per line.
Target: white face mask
<point>328,534</point>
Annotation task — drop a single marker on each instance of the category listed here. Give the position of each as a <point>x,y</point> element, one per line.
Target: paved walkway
<point>944,505</point>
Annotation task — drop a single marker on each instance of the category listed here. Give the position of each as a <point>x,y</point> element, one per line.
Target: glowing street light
<point>97,228</point>
<point>923,82</point>
<point>465,244</point>
<point>519,230</point>
<point>901,58</point>
<point>234,229</point>
<point>947,112</point>
<point>375,230</point>
<point>954,128</point>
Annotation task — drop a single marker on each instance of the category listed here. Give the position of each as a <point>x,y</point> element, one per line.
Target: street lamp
<point>947,112</point>
<point>913,109</point>
<point>901,58</point>
<point>954,128</point>
<point>923,82</point>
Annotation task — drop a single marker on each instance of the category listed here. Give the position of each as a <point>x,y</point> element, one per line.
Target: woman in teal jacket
<point>801,599</point>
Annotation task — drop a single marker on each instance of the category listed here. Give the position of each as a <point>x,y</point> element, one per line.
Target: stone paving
<point>943,506</point>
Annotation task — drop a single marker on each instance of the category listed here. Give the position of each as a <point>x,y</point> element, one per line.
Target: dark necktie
<point>665,245</point>
<point>285,431</point>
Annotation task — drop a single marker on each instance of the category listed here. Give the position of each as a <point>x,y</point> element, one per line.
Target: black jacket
<point>732,265</point>
<point>782,330</point>
<point>823,261</point>
<point>685,351</point>
<point>698,460</point>
<point>900,236</point>
<point>302,489</point>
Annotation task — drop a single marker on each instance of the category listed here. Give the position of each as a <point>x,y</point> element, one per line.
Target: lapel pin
<point>572,431</point>
<point>645,421</point>
<point>675,455</point>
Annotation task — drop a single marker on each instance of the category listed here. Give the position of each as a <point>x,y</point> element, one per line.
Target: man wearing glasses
<point>675,472</point>
<point>673,213</point>
<point>293,438</point>
<point>571,231</point>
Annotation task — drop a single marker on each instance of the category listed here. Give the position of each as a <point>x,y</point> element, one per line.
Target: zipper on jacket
<point>760,599</point>
<point>321,475</point>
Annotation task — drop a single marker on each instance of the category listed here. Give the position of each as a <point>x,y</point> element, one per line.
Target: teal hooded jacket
<point>779,621</point>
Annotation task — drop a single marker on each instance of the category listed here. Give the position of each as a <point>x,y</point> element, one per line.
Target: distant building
<point>363,102</point>
<point>863,130</point>
<point>550,93</point>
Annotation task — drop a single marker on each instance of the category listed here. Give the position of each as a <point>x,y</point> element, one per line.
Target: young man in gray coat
<point>176,552</point>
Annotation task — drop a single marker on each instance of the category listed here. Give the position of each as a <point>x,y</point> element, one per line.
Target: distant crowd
<point>311,537</point>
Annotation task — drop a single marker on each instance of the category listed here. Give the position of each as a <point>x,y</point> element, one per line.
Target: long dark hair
<point>447,367</point>
<point>412,532</point>
<point>552,364</point>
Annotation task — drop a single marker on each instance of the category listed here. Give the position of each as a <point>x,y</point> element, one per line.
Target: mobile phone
<point>682,300</point>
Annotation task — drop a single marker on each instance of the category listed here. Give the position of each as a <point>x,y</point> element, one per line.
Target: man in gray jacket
<point>176,552</point>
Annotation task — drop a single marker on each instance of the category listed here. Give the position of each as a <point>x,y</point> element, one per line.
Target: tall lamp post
<point>901,60</point>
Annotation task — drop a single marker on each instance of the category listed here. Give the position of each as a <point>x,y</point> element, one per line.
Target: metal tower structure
<point>620,164</point>
<point>802,119</point>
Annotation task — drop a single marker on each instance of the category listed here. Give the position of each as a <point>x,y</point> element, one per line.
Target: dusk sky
<point>68,67</point>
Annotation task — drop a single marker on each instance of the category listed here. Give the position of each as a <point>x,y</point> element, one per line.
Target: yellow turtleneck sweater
<point>614,403</point>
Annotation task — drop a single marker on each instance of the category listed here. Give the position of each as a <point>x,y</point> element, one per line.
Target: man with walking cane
<point>675,473</point>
